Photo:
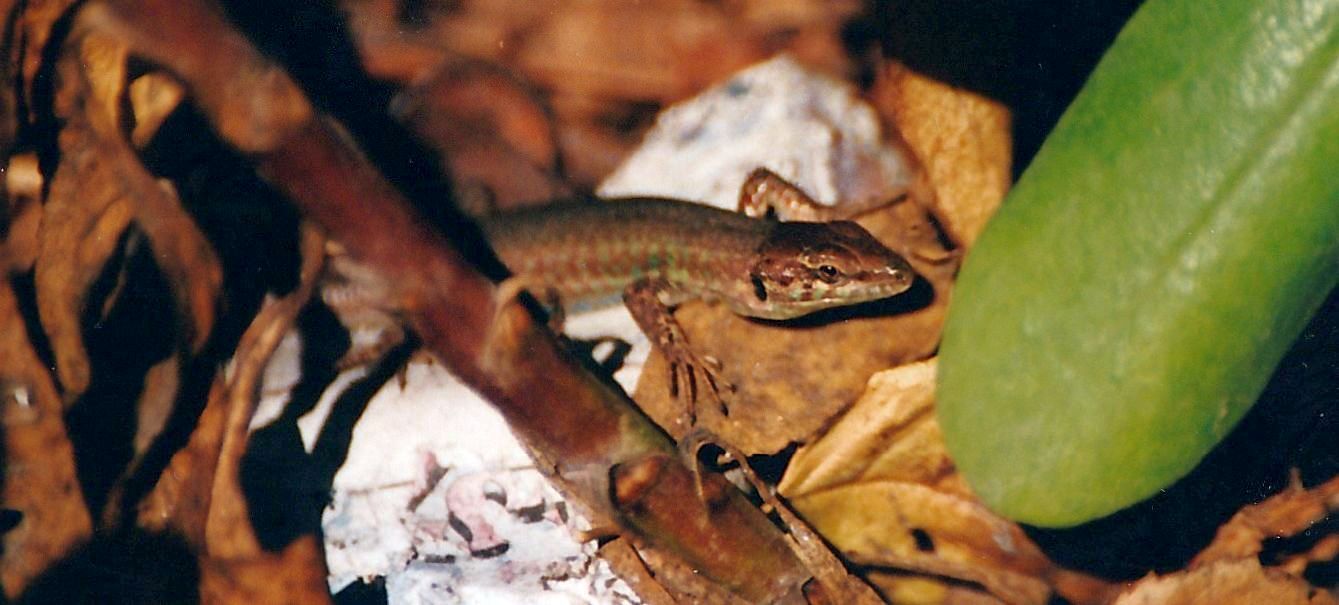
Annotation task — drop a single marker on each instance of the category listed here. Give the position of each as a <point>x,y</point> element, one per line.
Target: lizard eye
<point>828,273</point>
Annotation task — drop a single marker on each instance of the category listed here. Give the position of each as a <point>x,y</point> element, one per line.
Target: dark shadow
<point>126,568</point>
<point>609,361</point>
<point>252,230</point>
<point>1325,574</point>
<point>1293,425</point>
<point>362,593</point>
<point>920,295</point>
<point>1276,549</point>
<point>286,488</point>
<point>137,332</point>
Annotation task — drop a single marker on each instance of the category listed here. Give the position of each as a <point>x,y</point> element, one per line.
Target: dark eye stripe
<point>759,288</point>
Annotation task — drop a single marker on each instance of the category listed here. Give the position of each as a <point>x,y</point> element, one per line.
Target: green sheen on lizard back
<point>588,252</point>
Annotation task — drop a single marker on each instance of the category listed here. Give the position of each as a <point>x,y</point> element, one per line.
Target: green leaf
<point>1170,240</point>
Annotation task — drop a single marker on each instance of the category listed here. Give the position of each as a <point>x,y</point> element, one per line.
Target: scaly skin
<point>656,253</point>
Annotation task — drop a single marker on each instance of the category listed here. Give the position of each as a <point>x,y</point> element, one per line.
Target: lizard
<point>655,253</point>
<point>652,254</point>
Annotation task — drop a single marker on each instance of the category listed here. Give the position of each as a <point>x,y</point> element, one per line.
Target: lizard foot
<point>692,378</point>
<point>695,379</point>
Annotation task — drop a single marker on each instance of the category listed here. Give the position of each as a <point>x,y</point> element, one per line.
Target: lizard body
<point>590,253</point>
<point>657,253</point>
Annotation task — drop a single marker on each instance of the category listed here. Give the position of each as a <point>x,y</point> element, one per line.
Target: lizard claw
<point>695,379</point>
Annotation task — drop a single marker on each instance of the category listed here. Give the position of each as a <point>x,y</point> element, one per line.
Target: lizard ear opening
<point>759,288</point>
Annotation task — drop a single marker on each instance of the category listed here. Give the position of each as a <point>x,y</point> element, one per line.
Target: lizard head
<point>805,267</point>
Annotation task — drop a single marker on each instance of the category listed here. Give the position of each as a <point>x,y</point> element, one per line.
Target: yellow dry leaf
<point>962,141</point>
<point>153,97</point>
<point>913,527</point>
<point>890,433</point>
<point>880,485</point>
<point>1239,582</point>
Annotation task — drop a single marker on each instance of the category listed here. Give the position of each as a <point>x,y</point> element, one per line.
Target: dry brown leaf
<point>85,212</point>
<point>82,222</point>
<point>198,493</point>
<point>296,576</point>
<point>98,188</point>
<point>605,65</point>
<point>495,132</point>
<point>962,141</point>
<point>1284,514</point>
<point>1224,582</point>
<point>1325,549</point>
<point>623,559</point>
<point>180,248</point>
<point>880,484</point>
<point>39,473</point>
<point>155,403</point>
<point>653,51</point>
<point>153,97</point>
<point>36,21</point>
<point>904,589</point>
<point>21,222</point>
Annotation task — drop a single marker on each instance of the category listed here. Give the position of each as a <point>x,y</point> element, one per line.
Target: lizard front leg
<point>691,376</point>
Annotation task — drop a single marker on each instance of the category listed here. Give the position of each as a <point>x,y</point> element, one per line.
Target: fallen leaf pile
<point>152,265</point>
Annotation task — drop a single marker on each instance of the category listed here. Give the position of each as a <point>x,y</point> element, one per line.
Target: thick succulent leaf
<point>1130,300</point>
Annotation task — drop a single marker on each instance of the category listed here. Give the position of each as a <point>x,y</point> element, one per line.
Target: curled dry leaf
<point>879,484</point>
<point>153,97</point>
<point>1284,514</point>
<point>99,186</point>
<point>961,139</point>
<point>890,433</point>
<point>295,574</point>
<point>199,495</point>
<point>236,564</point>
<point>1239,582</point>
<point>902,526</point>
<point>82,222</point>
<point>39,473</point>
